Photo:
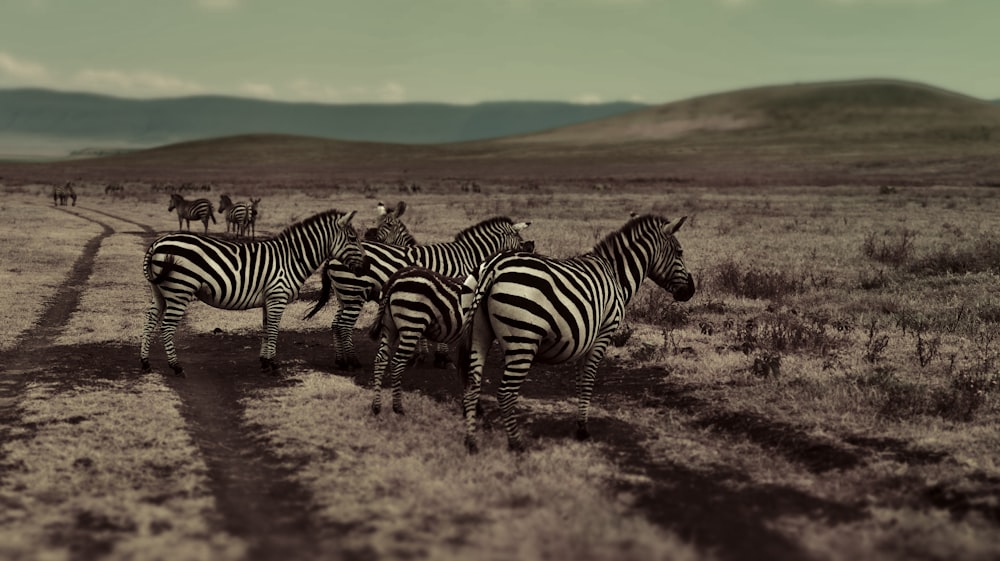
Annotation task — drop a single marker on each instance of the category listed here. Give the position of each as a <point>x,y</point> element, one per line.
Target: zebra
<point>198,209</point>
<point>452,259</point>
<point>417,305</point>
<point>63,192</point>
<point>238,215</point>
<point>254,213</point>
<point>556,310</point>
<point>181,267</point>
<point>389,229</point>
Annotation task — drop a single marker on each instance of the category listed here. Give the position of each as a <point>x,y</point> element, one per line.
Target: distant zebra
<point>238,215</point>
<point>556,310</point>
<point>452,259</point>
<point>417,305</point>
<point>62,192</point>
<point>198,209</point>
<point>254,213</point>
<point>231,276</point>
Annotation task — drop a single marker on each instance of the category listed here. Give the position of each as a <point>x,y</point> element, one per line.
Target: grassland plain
<point>830,393</point>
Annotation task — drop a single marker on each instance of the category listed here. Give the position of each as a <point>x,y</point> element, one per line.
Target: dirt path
<point>256,498</point>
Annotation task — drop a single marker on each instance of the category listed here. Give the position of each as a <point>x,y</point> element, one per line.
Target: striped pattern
<point>238,215</point>
<point>389,229</point>
<point>417,304</point>
<point>453,259</point>
<point>198,209</point>
<point>557,310</point>
<point>232,276</point>
<point>62,192</point>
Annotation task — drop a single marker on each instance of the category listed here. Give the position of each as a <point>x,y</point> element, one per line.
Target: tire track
<point>256,498</point>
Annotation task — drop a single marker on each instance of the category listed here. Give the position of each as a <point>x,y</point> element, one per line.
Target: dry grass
<point>814,284</point>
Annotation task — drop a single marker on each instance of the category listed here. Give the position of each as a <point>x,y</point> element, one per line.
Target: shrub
<point>981,256</point>
<point>893,248</point>
<point>757,283</point>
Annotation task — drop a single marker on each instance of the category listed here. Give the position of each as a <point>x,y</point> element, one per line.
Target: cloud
<point>22,69</point>
<point>135,83</point>
<point>588,99</point>
<point>391,92</point>
<point>217,5</point>
<point>257,89</point>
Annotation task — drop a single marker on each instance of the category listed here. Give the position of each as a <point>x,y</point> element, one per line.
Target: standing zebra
<point>451,259</point>
<point>198,209</point>
<point>231,276</point>
<point>62,192</point>
<point>238,215</point>
<point>557,310</point>
<point>389,229</point>
<point>254,203</point>
<point>417,305</point>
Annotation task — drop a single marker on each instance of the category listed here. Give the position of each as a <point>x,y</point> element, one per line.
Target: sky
<point>470,51</point>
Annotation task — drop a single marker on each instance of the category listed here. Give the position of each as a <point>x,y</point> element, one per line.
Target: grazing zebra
<point>452,259</point>
<point>238,215</point>
<point>417,305</point>
<point>62,192</point>
<point>232,276</point>
<point>556,310</point>
<point>198,209</point>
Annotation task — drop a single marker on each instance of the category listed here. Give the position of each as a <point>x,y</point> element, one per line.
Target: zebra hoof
<point>376,408</point>
<point>178,371</point>
<point>398,409</point>
<point>471,446</point>
<point>145,368</point>
<point>581,432</point>
<point>516,446</point>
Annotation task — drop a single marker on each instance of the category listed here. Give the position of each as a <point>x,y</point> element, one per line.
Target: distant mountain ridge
<point>76,119</point>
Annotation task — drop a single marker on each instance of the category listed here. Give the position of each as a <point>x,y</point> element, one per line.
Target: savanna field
<point>831,392</point>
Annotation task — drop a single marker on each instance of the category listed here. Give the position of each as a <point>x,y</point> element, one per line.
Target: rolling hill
<point>33,119</point>
<point>857,132</point>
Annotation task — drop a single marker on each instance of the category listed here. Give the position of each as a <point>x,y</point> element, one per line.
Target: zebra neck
<point>628,266</point>
<point>300,254</point>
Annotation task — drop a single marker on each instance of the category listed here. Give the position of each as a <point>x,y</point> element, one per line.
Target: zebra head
<point>347,247</point>
<point>175,201</point>
<point>667,267</point>
<point>389,229</point>
<point>224,203</point>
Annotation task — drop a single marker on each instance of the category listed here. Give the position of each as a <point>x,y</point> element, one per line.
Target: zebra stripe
<point>557,310</point>
<point>416,304</point>
<point>238,215</point>
<point>198,209</point>
<point>232,276</point>
<point>389,229</point>
<point>453,259</point>
<point>62,192</point>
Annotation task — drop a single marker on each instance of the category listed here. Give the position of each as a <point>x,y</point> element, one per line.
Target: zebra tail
<point>168,267</point>
<point>324,295</point>
<point>375,330</point>
<point>211,212</point>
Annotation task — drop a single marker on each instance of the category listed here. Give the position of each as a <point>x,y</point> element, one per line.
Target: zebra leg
<point>153,315</point>
<point>510,385</point>
<point>168,327</point>
<point>381,361</point>
<point>585,385</point>
<point>404,351</point>
<point>479,342</point>
<point>274,307</point>
<point>343,332</point>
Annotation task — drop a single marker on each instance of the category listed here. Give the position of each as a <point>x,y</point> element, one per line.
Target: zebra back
<point>198,209</point>
<point>470,248</point>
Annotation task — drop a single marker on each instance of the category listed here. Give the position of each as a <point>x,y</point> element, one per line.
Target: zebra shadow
<point>719,509</point>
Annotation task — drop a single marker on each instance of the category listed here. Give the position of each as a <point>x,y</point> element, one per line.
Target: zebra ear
<point>677,226</point>
<point>380,209</point>
<point>345,220</point>
<point>521,225</point>
<point>400,208</point>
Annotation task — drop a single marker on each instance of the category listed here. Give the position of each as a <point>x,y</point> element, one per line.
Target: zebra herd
<point>486,285</point>
<point>241,217</point>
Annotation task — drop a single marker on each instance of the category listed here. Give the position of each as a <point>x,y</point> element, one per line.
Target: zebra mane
<point>306,222</point>
<point>639,223</point>
<point>496,220</point>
